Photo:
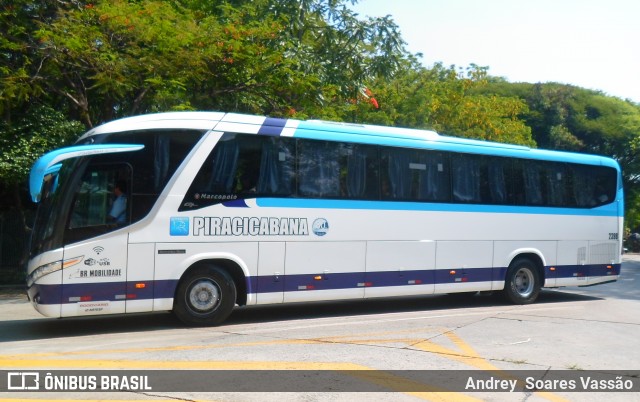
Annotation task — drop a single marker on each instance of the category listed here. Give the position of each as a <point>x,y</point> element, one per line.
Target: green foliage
<point>40,130</point>
<point>93,61</point>
<point>576,119</point>
<point>581,120</point>
<point>561,138</point>
<point>109,59</point>
<point>16,54</point>
<point>116,58</point>
<point>444,99</point>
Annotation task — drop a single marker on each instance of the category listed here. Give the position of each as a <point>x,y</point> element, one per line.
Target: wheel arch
<point>533,255</point>
<point>232,266</point>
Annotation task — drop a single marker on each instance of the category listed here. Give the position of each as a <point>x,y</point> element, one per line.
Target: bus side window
<point>318,169</point>
<point>224,165</point>
<point>593,185</point>
<point>465,170</point>
<point>359,172</point>
<point>515,183</point>
<point>495,181</point>
<point>398,165</point>
<point>583,186</point>
<point>606,185</point>
<point>218,172</point>
<point>243,166</point>
<point>556,185</point>
<point>95,200</point>
<point>532,179</point>
<point>434,182</point>
<point>276,169</point>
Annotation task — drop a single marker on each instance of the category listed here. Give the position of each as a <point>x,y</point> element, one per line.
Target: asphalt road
<point>590,330</point>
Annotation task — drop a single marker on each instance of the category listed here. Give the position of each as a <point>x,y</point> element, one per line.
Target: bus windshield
<point>53,186</point>
<point>87,190</point>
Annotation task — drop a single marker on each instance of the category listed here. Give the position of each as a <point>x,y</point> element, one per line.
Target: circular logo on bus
<point>320,227</point>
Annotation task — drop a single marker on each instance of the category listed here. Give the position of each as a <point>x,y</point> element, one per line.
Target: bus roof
<point>183,120</point>
<point>328,130</point>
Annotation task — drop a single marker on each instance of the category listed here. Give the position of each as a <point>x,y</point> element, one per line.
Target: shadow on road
<point>48,328</point>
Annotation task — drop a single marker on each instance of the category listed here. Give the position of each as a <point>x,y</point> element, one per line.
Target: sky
<point>594,44</point>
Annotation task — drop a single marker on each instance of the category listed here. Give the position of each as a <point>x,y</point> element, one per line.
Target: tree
<point>315,56</point>
<point>115,58</point>
<point>566,117</point>
<point>446,100</point>
<point>31,136</point>
<point>22,142</point>
<point>18,53</point>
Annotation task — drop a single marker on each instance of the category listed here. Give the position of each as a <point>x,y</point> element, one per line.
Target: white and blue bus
<point>227,209</point>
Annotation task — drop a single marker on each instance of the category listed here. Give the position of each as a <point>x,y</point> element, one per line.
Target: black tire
<point>205,296</point>
<point>522,284</point>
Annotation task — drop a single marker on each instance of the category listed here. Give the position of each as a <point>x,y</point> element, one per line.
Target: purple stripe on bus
<point>160,289</point>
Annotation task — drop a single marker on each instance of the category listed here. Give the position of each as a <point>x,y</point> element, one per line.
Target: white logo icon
<point>23,381</point>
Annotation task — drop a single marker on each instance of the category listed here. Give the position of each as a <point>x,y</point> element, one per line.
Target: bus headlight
<point>42,271</point>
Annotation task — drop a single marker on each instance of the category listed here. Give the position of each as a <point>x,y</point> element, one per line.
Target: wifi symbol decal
<point>98,249</point>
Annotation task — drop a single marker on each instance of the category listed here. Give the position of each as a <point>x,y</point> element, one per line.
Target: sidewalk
<point>13,294</point>
<point>631,257</point>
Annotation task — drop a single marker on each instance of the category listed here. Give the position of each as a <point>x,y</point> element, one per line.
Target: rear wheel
<point>205,296</point>
<point>522,284</point>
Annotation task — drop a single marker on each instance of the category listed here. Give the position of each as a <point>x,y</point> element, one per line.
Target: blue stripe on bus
<point>46,294</point>
<point>160,289</point>
<point>606,210</point>
<point>588,270</point>
<point>239,203</point>
<point>351,280</point>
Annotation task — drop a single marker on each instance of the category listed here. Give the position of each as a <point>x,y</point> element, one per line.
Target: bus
<point>224,210</point>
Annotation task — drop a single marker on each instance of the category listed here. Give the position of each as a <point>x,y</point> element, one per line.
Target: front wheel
<point>522,284</point>
<point>205,296</point>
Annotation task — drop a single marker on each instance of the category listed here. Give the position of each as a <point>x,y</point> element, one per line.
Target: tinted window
<point>247,166</point>
<point>101,201</point>
<point>556,185</point>
<point>593,185</point>
<point>319,169</point>
<point>494,179</point>
<point>154,165</point>
<point>465,172</point>
<point>359,173</point>
<point>337,170</point>
<point>411,174</point>
<point>243,166</point>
